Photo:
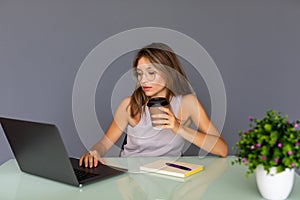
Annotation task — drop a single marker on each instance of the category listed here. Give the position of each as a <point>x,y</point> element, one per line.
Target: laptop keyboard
<point>82,175</point>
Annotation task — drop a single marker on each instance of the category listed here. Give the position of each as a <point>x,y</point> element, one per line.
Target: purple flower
<point>263,157</point>
<point>290,152</point>
<point>296,126</point>
<point>276,140</point>
<point>279,145</point>
<point>252,147</point>
<point>258,145</point>
<point>296,143</point>
<point>250,119</point>
<point>293,165</point>
<point>245,132</point>
<point>244,160</point>
<point>287,122</point>
<point>276,160</point>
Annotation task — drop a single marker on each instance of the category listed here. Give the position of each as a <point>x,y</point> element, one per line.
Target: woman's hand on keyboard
<point>90,159</point>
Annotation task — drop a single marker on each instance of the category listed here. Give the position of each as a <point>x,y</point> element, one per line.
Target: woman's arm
<point>206,136</point>
<point>210,143</point>
<point>111,136</point>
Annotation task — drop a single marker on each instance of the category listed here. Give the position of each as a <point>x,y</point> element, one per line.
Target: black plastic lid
<point>157,102</point>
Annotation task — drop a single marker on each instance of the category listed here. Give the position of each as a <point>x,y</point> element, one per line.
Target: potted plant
<point>271,149</point>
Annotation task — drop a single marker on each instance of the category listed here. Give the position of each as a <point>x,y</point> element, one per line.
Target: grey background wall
<point>255,45</point>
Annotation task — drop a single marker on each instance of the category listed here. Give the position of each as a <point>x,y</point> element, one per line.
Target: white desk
<point>219,180</point>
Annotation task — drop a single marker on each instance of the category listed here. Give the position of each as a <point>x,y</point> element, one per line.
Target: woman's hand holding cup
<point>161,115</point>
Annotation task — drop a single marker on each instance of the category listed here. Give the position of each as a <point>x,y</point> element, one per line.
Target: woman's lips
<point>146,88</point>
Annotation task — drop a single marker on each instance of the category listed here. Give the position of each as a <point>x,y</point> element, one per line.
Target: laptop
<point>39,150</point>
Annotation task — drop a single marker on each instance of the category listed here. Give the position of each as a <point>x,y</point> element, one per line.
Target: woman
<point>158,74</point>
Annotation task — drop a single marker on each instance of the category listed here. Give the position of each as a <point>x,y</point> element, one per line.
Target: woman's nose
<point>144,78</point>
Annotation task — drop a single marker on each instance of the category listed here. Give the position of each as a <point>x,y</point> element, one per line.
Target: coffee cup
<point>154,104</point>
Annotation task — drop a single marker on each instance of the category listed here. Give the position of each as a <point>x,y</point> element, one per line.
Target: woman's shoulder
<point>125,105</point>
<point>188,98</point>
<point>184,98</point>
<point>122,110</point>
<point>189,102</point>
<point>125,102</point>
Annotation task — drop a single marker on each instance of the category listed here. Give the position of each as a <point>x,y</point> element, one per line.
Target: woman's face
<point>150,79</point>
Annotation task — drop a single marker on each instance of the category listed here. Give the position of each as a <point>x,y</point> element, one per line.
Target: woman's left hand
<point>166,120</point>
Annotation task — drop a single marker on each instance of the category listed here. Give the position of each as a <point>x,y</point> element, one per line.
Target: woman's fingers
<point>83,161</point>
<point>86,160</point>
<point>166,120</point>
<point>166,110</point>
<point>164,116</point>
<point>80,161</point>
<point>161,121</point>
<point>100,160</point>
<point>95,162</point>
<point>90,159</point>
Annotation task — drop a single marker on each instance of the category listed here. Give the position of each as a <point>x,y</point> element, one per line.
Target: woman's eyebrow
<point>150,67</point>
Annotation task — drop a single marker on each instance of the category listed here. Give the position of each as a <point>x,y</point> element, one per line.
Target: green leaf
<point>286,148</point>
<point>268,127</point>
<point>276,153</point>
<point>274,135</point>
<point>280,169</point>
<point>286,161</point>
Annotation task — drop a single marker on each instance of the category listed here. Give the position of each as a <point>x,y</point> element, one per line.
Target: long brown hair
<point>166,61</point>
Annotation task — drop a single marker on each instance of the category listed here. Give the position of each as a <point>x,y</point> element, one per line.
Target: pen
<point>179,166</point>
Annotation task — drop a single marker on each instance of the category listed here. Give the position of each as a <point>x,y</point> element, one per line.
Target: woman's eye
<point>152,73</point>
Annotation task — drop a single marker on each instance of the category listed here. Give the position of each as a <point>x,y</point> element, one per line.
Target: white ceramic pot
<point>274,185</point>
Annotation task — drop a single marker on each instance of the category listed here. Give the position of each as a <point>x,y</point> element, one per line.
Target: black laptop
<point>39,150</point>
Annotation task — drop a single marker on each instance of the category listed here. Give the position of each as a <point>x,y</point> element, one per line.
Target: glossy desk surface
<point>219,180</point>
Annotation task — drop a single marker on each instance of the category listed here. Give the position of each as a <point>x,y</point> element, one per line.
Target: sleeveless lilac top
<point>144,140</point>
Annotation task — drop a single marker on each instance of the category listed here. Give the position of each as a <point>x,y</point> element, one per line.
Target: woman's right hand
<point>90,159</point>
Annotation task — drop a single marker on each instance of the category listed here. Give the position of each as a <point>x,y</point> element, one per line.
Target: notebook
<point>172,168</point>
<point>39,150</point>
